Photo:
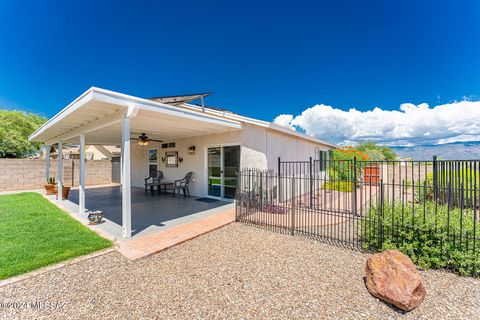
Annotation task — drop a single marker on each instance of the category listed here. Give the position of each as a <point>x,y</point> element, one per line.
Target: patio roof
<point>98,114</point>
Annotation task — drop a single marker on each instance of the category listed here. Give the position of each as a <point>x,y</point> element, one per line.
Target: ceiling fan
<point>143,139</point>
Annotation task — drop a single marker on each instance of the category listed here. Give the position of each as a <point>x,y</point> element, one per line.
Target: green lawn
<point>35,233</point>
<point>228,183</point>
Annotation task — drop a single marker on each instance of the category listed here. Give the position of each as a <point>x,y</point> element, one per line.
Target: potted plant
<point>50,186</point>
<point>95,217</point>
<point>65,192</point>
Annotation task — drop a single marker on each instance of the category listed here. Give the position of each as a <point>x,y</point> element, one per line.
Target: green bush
<point>376,152</point>
<point>15,127</point>
<point>444,239</point>
<point>344,186</point>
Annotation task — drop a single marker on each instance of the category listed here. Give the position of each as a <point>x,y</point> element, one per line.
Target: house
<point>92,152</point>
<point>173,135</point>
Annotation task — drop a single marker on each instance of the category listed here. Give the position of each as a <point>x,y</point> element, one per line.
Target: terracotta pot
<point>49,189</point>
<point>65,192</point>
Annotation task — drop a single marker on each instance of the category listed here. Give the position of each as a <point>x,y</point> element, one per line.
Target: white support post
<point>60,171</point>
<point>81,190</point>
<point>47,163</point>
<point>121,163</point>
<point>126,183</point>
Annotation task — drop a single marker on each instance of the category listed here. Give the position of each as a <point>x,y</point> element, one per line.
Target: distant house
<point>92,152</point>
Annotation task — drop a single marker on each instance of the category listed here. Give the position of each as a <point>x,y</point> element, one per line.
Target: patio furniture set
<point>157,179</point>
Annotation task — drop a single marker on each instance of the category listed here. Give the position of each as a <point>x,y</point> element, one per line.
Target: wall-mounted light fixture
<point>191,150</point>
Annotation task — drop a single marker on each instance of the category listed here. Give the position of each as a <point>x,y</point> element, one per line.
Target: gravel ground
<point>237,272</point>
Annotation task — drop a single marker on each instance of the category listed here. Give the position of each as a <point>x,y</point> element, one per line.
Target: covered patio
<point>103,117</point>
<point>152,213</point>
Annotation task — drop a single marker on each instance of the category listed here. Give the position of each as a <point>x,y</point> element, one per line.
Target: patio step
<point>151,243</point>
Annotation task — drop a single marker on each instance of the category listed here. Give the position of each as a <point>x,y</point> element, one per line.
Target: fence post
<point>381,217</point>
<point>311,183</point>
<point>279,181</point>
<point>435,178</point>
<point>292,221</point>
<point>354,186</point>
<point>238,196</point>
<point>320,161</point>
<point>261,190</point>
<point>249,192</point>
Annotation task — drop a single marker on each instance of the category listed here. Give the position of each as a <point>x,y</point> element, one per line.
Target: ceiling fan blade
<point>147,139</point>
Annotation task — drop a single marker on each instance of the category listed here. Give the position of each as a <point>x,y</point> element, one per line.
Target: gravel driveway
<point>237,272</point>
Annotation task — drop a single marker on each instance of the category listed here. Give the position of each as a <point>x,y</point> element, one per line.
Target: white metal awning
<point>98,113</point>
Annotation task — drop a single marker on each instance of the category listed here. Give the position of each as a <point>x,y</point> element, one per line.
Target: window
<point>324,157</point>
<point>152,160</point>
<point>168,145</point>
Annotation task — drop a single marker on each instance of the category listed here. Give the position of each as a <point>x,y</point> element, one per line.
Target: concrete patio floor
<point>150,213</point>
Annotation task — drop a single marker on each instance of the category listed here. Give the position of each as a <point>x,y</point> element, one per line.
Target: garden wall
<point>25,174</point>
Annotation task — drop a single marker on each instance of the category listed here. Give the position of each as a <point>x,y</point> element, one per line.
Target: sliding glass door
<point>223,165</point>
<point>214,171</point>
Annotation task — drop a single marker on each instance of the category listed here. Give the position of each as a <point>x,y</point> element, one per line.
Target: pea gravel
<point>237,272</point>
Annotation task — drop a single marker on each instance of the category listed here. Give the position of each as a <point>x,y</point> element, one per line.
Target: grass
<point>463,176</point>
<point>35,233</point>
<point>228,183</point>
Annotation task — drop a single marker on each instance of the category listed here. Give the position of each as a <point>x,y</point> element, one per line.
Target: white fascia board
<point>74,105</point>
<point>128,102</point>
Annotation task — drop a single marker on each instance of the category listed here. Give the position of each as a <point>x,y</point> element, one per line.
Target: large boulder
<point>392,276</point>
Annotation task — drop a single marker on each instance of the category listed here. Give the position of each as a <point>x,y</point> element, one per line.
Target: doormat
<point>207,200</point>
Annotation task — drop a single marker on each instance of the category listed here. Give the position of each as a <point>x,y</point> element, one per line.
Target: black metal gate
<point>370,205</point>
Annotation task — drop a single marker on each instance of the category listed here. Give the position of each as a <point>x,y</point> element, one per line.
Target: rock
<point>392,276</point>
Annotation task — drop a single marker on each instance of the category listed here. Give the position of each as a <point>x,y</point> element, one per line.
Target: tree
<point>15,127</point>
<point>376,152</point>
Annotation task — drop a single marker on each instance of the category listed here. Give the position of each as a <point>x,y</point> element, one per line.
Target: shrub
<point>341,168</point>
<point>444,238</point>
<point>377,152</point>
<point>344,186</point>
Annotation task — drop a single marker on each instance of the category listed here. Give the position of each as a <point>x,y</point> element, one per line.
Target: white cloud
<point>409,125</point>
<point>284,120</point>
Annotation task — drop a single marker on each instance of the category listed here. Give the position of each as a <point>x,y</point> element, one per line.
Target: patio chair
<point>155,178</point>
<point>182,185</point>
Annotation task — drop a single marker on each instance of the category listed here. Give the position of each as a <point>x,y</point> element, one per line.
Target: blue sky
<point>261,59</point>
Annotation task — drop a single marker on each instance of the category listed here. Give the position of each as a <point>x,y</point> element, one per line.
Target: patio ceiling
<point>98,114</point>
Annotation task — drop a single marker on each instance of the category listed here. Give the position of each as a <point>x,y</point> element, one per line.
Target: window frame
<point>150,163</point>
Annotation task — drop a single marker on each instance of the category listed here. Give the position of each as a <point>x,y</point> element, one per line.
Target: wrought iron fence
<point>427,209</point>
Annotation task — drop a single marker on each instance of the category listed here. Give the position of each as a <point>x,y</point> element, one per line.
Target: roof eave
<point>283,129</point>
<point>127,101</point>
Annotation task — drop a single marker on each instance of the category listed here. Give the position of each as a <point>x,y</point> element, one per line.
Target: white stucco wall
<point>264,146</point>
<point>191,162</point>
<point>260,148</point>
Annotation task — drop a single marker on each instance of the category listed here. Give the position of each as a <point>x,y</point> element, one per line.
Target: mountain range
<point>450,151</point>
